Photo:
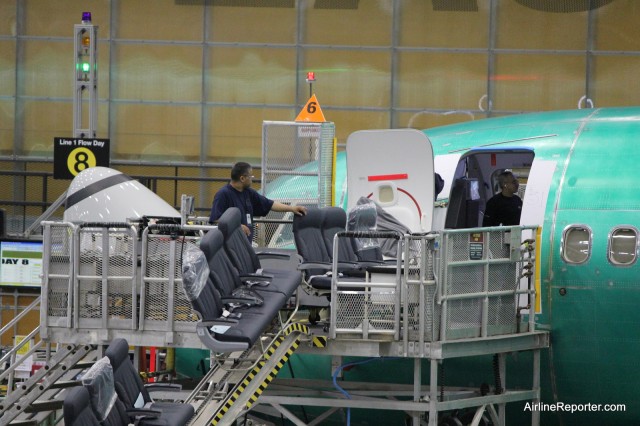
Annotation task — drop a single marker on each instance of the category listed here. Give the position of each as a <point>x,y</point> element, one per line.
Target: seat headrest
<point>75,403</point>
<point>334,217</point>
<point>118,351</point>
<point>211,243</point>
<point>313,219</point>
<point>230,221</point>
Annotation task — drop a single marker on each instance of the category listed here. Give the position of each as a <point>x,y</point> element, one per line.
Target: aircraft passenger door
<point>533,209</point>
<point>395,169</point>
<point>535,197</point>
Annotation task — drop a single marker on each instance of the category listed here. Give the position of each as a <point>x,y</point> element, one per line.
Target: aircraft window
<point>576,244</point>
<point>623,243</point>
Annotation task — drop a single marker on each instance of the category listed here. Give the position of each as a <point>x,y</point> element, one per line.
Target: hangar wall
<point>190,81</point>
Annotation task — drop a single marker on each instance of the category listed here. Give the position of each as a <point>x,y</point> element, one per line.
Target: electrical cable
<point>334,377</point>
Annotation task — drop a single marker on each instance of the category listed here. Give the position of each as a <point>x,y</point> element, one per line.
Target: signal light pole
<point>85,78</point>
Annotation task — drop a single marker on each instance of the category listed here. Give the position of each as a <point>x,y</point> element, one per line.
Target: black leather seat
<point>334,221</point>
<point>226,278</point>
<point>134,394</point>
<point>313,234</point>
<point>231,317</point>
<point>247,262</point>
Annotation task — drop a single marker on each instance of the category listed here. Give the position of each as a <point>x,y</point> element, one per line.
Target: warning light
<point>311,76</point>
<point>86,17</point>
<point>86,41</point>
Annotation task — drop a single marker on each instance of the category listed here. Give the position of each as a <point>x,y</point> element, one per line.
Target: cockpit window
<point>623,245</point>
<point>576,244</point>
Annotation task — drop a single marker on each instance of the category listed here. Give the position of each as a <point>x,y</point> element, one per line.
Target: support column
<point>417,385</point>
<point>433,394</point>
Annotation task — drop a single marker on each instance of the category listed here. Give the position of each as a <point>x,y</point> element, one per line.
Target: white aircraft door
<point>533,209</point>
<point>395,169</point>
<point>535,197</point>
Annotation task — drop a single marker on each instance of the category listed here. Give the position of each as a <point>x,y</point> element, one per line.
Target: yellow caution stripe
<point>248,378</point>
<point>319,341</point>
<point>272,374</point>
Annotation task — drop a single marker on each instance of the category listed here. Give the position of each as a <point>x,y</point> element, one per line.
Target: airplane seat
<point>135,395</point>
<point>310,242</point>
<point>234,293</point>
<point>96,402</point>
<point>246,260</point>
<point>464,204</point>
<point>310,245</point>
<point>220,328</point>
<point>76,408</point>
<point>314,237</point>
<point>335,220</point>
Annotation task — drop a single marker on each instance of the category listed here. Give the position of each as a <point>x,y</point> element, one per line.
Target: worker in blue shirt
<point>238,193</point>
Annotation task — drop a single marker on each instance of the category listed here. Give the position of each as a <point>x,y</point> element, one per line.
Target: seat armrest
<point>220,321</point>
<point>261,280</point>
<point>160,387</point>
<point>345,266</point>
<point>269,254</point>
<point>143,412</point>
<point>382,268</point>
<point>314,265</point>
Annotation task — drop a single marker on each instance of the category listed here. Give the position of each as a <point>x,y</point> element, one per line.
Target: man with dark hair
<point>238,193</point>
<point>505,207</point>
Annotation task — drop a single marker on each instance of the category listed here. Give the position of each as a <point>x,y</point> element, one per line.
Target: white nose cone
<point>101,194</point>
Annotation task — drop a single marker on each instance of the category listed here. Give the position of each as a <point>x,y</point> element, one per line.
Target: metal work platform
<point>450,294</point>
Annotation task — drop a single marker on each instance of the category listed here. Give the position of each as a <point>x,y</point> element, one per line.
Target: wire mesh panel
<point>421,307</point>
<point>57,274</point>
<point>368,311</point>
<point>163,304</point>
<point>366,308</point>
<point>480,272</point>
<point>105,281</point>
<point>298,161</point>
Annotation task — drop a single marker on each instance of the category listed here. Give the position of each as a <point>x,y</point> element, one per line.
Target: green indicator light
<point>85,67</point>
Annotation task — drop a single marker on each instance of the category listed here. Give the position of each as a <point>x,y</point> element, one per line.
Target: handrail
<point>15,350</point>
<point>18,317</point>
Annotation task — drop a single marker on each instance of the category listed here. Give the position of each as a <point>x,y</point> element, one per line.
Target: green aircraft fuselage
<point>590,307</point>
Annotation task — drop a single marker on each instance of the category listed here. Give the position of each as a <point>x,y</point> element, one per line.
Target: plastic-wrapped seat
<point>95,403</point>
<point>247,261</point>
<point>135,395</point>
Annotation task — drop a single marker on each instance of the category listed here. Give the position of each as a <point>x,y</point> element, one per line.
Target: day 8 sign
<point>73,155</point>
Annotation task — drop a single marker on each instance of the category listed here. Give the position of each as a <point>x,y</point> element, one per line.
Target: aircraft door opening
<point>475,182</point>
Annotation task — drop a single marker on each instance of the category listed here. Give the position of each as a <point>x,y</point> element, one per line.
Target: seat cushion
<point>172,413</point>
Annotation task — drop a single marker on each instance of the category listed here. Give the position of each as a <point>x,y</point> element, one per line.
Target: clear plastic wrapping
<point>195,272</point>
<point>99,381</point>
<point>363,218</point>
<point>384,221</point>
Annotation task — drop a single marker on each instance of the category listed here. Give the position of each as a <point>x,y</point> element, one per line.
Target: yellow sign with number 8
<point>79,159</point>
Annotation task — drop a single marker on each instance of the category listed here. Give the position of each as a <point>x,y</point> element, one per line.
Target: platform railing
<point>451,284</point>
<point>103,281</point>
<point>367,309</point>
<point>480,272</point>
